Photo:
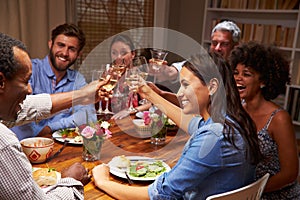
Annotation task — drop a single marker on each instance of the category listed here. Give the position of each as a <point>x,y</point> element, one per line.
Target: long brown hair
<point>226,101</point>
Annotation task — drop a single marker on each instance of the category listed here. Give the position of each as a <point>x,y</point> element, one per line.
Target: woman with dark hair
<point>122,50</point>
<point>122,47</point>
<point>222,152</point>
<point>261,73</point>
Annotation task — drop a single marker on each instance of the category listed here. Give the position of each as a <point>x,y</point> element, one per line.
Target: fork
<point>59,151</point>
<point>128,178</point>
<point>124,169</point>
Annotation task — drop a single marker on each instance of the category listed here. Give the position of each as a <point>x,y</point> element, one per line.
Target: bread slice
<point>44,177</point>
<point>120,161</point>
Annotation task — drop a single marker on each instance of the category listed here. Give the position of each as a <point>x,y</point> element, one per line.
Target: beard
<point>54,64</point>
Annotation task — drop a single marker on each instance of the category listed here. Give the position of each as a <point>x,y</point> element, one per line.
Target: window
<point>101,19</point>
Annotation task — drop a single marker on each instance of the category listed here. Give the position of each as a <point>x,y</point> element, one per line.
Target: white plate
<point>57,136</point>
<point>58,175</point>
<point>118,172</point>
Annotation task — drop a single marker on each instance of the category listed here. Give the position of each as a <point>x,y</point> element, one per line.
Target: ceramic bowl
<point>37,149</point>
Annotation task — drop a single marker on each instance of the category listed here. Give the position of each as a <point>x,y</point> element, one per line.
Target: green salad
<point>146,169</point>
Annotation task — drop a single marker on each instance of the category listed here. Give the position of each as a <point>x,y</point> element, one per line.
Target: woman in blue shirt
<point>222,151</point>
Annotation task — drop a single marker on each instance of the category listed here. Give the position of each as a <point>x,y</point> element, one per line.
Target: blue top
<point>43,80</point>
<point>208,165</point>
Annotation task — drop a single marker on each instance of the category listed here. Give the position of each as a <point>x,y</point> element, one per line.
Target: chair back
<point>252,191</point>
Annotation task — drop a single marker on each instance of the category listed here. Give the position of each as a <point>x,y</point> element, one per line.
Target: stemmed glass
<point>132,79</point>
<point>141,63</point>
<point>96,75</point>
<point>119,67</point>
<point>158,58</point>
<point>110,85</point>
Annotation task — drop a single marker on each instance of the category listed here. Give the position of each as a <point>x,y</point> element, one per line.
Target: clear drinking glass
<point>141,63</point>
<point>158,58</point>
<point>110,85</point>
<point>132,79</point>
<point>119,67</point>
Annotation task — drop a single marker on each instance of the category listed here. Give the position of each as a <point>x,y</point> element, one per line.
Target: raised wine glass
<point>96,75</point>
<point>119,67</point>
<point>110,85</point>
<point>158,58</point>
<point>132,79</point>
<point>141,63</point>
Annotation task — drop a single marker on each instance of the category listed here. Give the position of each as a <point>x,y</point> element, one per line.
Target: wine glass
<point>96,75</point>
<point>110,85</point>
<point>119,67</point>
<point>132,79</point>
<point>158,58</point>
<point>141,63</point>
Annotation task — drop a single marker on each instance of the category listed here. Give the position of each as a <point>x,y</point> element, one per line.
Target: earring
<point>262,86</point>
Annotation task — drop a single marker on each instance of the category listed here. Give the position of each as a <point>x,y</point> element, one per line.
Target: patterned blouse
<point>271,165</point>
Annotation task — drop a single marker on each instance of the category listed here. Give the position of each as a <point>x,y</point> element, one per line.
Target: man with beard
<point>53,75</point>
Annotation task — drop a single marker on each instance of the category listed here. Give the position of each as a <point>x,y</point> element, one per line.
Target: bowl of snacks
<point>37,149</point>
<point>144,131</point>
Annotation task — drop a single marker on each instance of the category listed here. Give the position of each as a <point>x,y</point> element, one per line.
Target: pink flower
<point>108,133</point>
<point>99,131</point>
<point>158,112</point>
<point>95,130</point>
<point>146,117</point>
<point>81,127</point>
<point>88,132</point>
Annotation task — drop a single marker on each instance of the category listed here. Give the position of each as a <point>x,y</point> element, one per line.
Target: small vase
<point>159,136</point>
<point>91,149</point>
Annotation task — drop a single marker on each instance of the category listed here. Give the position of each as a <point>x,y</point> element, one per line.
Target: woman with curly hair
<point>261,73</point>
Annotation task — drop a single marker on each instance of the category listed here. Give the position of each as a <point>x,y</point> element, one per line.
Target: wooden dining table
<point>124,141</point>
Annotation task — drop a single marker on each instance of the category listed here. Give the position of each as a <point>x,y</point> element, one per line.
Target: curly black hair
<point>268,61</point>
<point>8,64</point>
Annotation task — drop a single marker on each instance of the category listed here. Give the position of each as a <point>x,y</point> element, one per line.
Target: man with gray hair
<point>224,37</point>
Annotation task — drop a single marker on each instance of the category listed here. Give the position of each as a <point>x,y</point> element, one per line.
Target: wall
<point>31,22</point>
<point>186,16</point>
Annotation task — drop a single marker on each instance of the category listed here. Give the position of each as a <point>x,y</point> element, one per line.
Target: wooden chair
<point>252,191</point>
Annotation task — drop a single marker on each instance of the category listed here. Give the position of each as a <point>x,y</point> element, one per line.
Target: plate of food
<point>138,168</point>
<point>70,134</point>
<point>45,177</point>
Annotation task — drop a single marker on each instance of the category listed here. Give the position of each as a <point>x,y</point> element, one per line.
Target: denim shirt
<point>208,165</point>
<point>43,80</point>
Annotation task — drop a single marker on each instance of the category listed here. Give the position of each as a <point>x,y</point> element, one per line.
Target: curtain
<point>31,21</point>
